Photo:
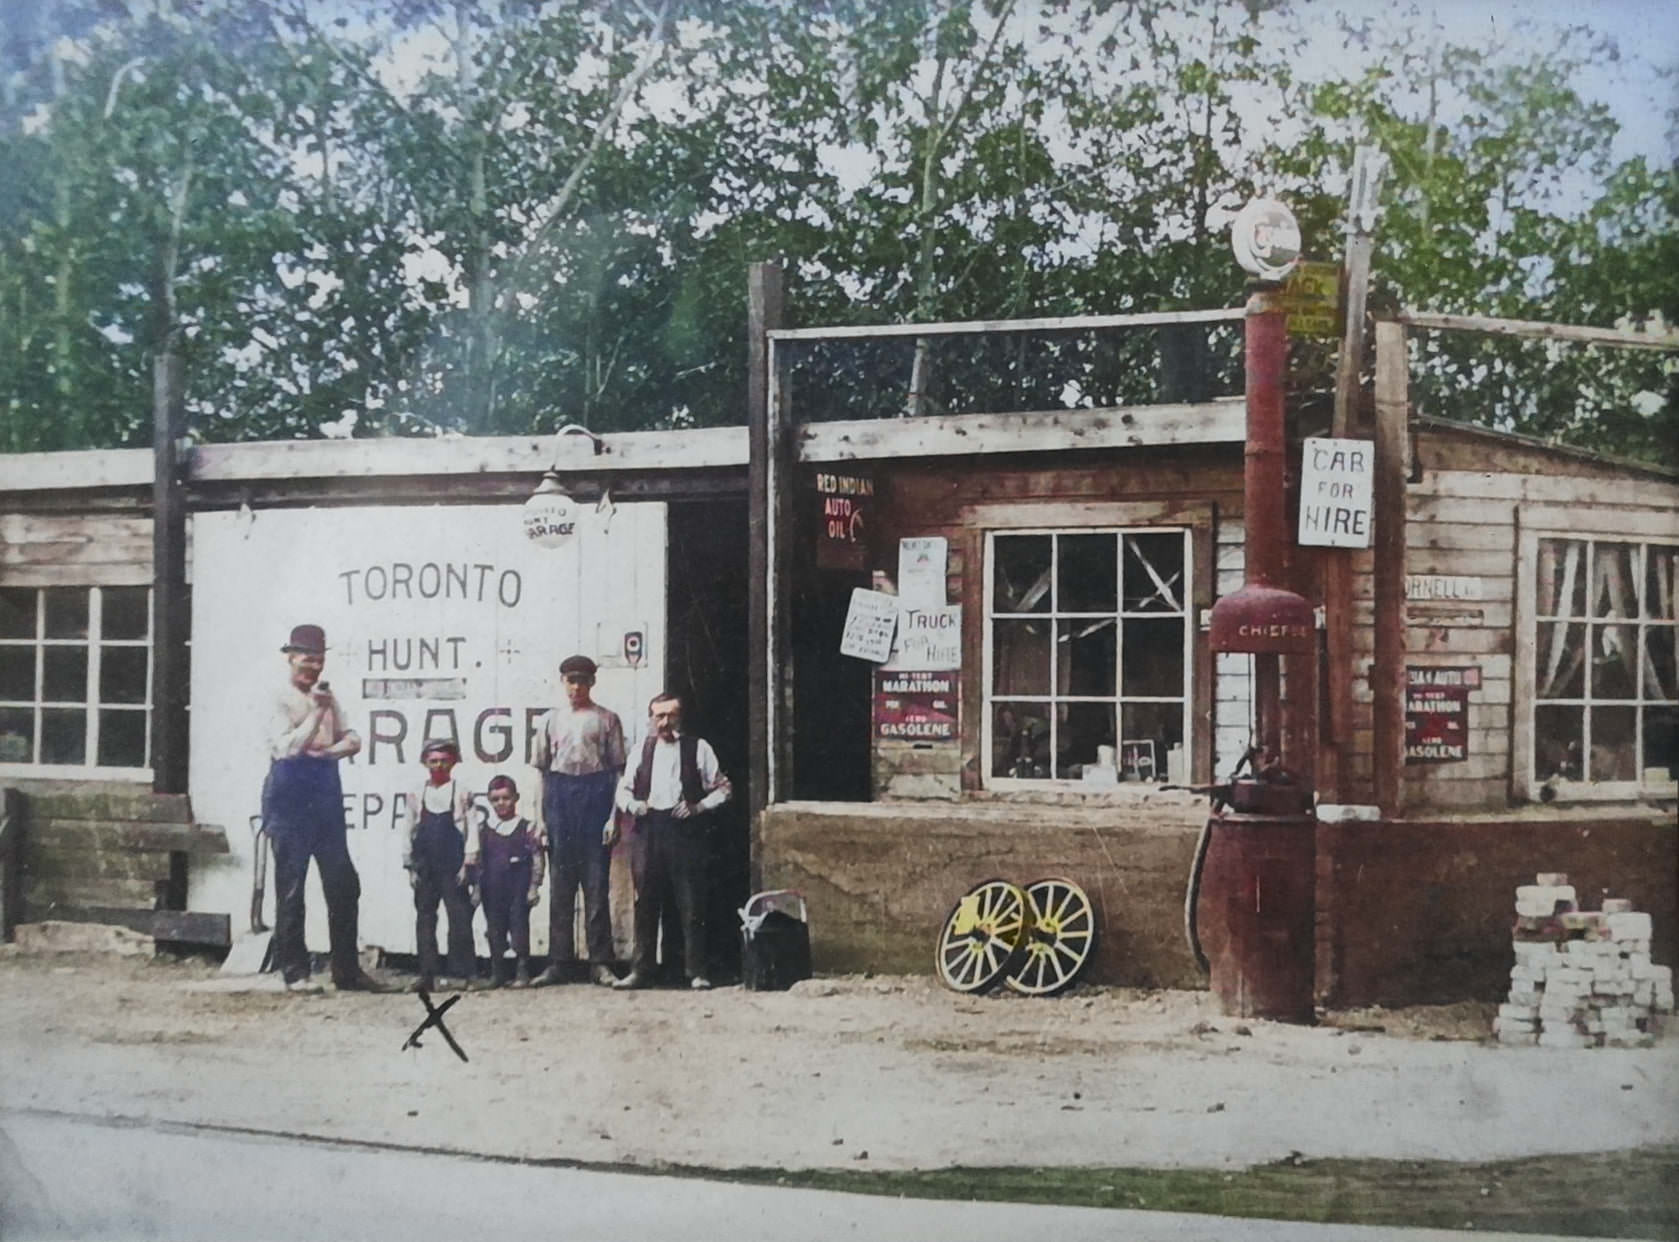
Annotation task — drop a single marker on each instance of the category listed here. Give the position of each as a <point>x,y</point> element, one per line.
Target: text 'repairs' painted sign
<point>842,532</point>
<point>1336,486</point>
<point>914,705</point>
<point>440,622</point>
<point>1437,713</point>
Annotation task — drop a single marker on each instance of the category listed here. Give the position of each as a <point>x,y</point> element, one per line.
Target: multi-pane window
<point>1088,641</point>
<point>75,676</point>
<point>1606,652</point>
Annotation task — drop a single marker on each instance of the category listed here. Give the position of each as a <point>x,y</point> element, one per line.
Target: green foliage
<point>498,216</point>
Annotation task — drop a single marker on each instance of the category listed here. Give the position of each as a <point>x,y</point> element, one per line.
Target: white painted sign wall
<point>439,621</point>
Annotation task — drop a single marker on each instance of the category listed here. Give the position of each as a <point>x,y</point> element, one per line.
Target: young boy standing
<point>506,856</point>
<point>438,816</point>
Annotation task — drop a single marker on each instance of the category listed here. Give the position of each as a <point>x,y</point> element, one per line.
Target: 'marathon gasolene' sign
<point>440,622</point>
<point>1437,713</point>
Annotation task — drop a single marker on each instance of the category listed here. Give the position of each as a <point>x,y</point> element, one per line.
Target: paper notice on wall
<point>928,638</point>
<point>869,624</point>
<point>921,571</point>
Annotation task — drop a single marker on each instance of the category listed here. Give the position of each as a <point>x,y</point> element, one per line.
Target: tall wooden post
<point>169,579</point>
<point>768,547</point>
<point>1338,562</point>
<point>1387,674</point>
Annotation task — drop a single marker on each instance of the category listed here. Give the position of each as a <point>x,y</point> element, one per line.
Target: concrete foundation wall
<point>1407,912</point>
<point>1421,911</point>
<point>880,878</point>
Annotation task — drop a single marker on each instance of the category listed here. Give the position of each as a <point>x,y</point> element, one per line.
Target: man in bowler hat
<point>303,810</point>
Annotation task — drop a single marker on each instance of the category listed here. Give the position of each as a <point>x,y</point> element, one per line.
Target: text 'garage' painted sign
<point>1336,487</point>
<point>441,622</point>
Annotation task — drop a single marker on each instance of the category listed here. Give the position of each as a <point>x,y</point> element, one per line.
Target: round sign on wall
<point>1266,239</point>
<point>550,515</point>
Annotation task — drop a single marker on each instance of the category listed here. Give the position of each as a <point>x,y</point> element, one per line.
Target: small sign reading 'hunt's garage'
<point>1437,713</point>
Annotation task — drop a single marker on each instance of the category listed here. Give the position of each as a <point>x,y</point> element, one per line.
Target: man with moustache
<point>672,791</point>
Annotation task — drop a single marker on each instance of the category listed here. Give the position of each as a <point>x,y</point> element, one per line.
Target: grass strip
<point>1627,1194</point>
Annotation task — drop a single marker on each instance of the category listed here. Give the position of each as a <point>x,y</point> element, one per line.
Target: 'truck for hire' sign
<point>1336,487</point>
<point>1437,713</point>
<point>441,621</point>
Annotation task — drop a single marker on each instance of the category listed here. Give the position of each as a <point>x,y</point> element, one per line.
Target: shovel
<point>253,954</point>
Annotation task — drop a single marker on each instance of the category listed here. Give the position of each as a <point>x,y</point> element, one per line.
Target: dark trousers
<point>668,858</point>
<point>294,846</point>
<point>506,911</point>
<point>434,884</point>
<point>575,809</point>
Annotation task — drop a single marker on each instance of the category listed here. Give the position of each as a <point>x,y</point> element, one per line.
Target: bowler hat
<point>577,664</point>
<point>307,638</point>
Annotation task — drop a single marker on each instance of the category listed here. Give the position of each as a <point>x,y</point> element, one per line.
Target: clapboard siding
<point>75,549</point>
<point>1467,523</point>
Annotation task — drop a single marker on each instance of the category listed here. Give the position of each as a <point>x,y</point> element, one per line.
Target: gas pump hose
<point>1193,895</point>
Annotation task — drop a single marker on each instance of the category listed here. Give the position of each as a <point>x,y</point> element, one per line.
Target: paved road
<point>65,1176</point>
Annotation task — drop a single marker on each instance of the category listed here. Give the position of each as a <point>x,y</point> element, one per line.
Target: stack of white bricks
<point>1582,978</point>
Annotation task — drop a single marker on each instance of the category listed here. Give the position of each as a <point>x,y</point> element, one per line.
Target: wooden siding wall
<point>941,497</point>
<point>1467,522</point>
<point>80,549</point>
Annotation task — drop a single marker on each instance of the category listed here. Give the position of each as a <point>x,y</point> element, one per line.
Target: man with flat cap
<point>303,811</point>
<point>580,753</point>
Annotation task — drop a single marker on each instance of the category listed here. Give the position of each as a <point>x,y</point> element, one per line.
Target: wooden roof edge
<point>1435,422</point>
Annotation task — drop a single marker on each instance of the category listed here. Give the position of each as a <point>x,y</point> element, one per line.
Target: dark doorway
<point>706,663</point>
<point>831,692</point>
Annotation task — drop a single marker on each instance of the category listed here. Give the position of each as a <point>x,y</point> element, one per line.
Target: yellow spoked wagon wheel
<point>983,937</point>
<point>1060,940</point>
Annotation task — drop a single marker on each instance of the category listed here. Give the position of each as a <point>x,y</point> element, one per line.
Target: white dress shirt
<point>664,785</point>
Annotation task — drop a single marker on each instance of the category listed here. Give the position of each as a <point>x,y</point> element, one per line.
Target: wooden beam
<point>1064,323</point>
<point>79,471</point>
<point>1336,732</point>
<point>1387,673</point>
<point>768,466</point>
<point>1144,426</point>
<point>286,461</point>
<point>128,836</point>
<point>170,622</point>
<point>1539,330</point>
<point>180,926</point>
<point>622,452</point>
<point>461,489</point>
<point>11,858</point>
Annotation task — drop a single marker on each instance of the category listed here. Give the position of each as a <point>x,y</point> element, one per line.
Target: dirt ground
<point>851,1072</point>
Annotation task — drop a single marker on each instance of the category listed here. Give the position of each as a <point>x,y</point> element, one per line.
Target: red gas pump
<point>1251,904</point>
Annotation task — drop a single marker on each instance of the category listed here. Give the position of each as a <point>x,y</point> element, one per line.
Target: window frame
<point>1128,521</point>
<point>1595,525</point>
<point>92,702</point>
